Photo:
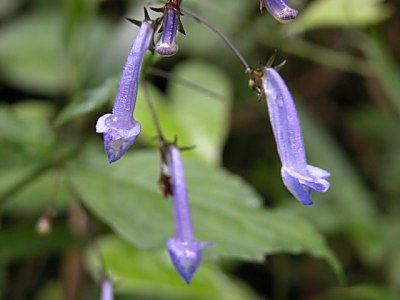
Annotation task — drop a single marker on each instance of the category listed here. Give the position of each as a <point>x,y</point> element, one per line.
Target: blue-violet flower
<point>280,10</point>
<point>106,290</point>
<point>299,177</point>
<point>185,251</point>
<point>119,128</point>
<point>167,45</point>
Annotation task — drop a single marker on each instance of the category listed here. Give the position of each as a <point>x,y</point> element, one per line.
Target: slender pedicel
<point>280,10</point>
<point>167,45</point>
<point>119,128</point>
<point>221,35</point>
<point>179,79</point>
<point>164,182</point>
<point>299,177</point>
<point>106,290</point>
<point>185,251</point>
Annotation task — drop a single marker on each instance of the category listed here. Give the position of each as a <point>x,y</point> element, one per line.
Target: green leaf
<point>78,14</point>
<point>21,242</point>
<point>151,274</point>
<point>26,134</point>
<point>313,52</point>
<point>383,136</point>
<point>47,190</point>
<point>30,53</point>
<point>192,116</point>
<point>84,34</point>
<point>364,291</point>
<point>385,67</point>
<point>88,101</point>
<point>52,290</point>
<point>8,7</point>
<point>225,210</point>
<point>109,58</point>
<point>29,178</point>
<point>340,13</point>
<point>393,268</point>
<point>200,40</point>
<point>391,257</point>
<point>203,120</point>
<point>12,176</point>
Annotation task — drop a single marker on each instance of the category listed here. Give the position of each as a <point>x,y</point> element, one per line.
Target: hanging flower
<point>299,177</point>
<point>167,45</point>
<point>119,128</point>
<point>185,251</point>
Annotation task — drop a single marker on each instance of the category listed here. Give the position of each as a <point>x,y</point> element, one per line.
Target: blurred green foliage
<point>59,69</point>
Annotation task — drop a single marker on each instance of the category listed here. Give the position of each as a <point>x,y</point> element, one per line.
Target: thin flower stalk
<point>185,251</point>
<point>220,34</point>
<point>299,177</point>
<point>120,129</point>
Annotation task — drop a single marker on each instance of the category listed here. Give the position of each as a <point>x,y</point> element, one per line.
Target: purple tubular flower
<point>119,128</point>
<point>106,290</point>
<point>299,177</point>
<point>167,45</point>
<point>185,251</point>
<point>279,10</point>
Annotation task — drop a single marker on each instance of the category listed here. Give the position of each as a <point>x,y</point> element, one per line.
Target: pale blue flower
<point>280,10</point>
<point>106,290</point>
<point>299,177</point>
<point>185,251</point>
<point>119,128</point>
<point>167,45</point>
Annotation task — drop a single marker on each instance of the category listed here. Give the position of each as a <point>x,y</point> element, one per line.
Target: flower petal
<point>298,190</point>
<point>106,290</point>
<point>117,140</point>
<point>318,172</point>
<point>185,256</point>
<point>280,10</point>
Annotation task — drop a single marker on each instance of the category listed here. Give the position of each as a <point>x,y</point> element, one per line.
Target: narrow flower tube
<point>280,10</point>
<point>185,251</point>
<point>119,128</point>
<point>299,177</point>
<point>106,290</point>
<point>167,45</point>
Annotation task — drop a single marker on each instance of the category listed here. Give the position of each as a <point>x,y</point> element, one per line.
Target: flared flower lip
<point>117,140</point>
<point>186,256</point>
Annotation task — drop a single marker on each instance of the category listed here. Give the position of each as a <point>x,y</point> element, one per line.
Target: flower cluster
<point>120,129</point>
